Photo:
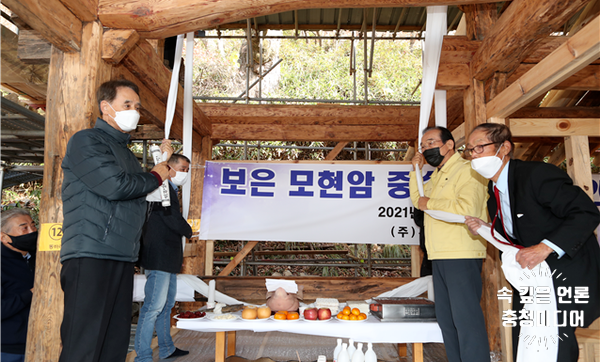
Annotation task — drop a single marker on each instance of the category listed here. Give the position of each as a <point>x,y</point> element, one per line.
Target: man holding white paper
<point>536,207</point>
<point>456,255</point>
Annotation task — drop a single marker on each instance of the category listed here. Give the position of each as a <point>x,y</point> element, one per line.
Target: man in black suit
<point>162,257</point>
<point>549,218</point>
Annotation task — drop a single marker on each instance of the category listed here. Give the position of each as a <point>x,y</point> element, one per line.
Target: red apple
<point>324,313</point>
<point>310,314</point>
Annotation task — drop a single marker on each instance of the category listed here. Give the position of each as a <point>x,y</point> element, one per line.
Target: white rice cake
<point>360,304</point>
<point>331,303</point>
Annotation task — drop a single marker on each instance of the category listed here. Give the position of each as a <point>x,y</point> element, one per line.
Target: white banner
<point>308,202</point>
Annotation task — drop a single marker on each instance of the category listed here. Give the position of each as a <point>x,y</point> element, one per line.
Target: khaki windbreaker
<point>458,189</point>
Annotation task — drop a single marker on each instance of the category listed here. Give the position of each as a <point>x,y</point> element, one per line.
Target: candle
<point>211,294</point>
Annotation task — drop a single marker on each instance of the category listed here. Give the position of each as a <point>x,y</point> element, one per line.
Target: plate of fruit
<point>315,315</point>
<point>190,316</point>
<point>284,316</point>
<point>351,315</point>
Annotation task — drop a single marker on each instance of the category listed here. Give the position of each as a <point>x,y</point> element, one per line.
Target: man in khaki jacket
<point>456,254</point>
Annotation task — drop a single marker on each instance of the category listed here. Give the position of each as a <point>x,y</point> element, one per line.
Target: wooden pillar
<point>577,149</point>
<point>71,106</point>
<point>479,19</point>
<point>195,250</point>
<point>474,106</point>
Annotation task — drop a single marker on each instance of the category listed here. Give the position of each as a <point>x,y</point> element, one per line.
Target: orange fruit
<point>346,317</point>
<point>284,312</point>
<point>340,315</point>
<point>293,315</point>
<point>361,317</point>
<point>280,316</point>
<point>346,311</point>
<point>355,311</point>
<point>353,317</point>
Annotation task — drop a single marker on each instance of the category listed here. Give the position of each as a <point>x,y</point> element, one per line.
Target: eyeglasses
<point>428,143</point>
<point>477,149</point>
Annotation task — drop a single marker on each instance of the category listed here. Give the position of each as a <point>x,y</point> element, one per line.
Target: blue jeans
<point>159,299</point>
<point>10,357</point>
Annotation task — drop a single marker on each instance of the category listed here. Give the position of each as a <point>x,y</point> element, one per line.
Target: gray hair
<point>8,215</point>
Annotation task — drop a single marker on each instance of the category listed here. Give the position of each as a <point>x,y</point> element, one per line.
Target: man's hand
<point>474,223</point>
<point>162,170</point>
<point>165,146</point>
<point>418,161</point>
<point>423,203</point>
<point>530,257</point>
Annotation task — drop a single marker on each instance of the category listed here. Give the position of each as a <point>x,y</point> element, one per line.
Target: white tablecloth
<point>371,330</point>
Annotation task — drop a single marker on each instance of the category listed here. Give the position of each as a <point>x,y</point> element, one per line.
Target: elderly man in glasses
<point>457,255</point>
<point>535,206</point>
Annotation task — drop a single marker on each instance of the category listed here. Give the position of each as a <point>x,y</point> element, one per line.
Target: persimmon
<point>280,316</point>
<point>293,315</point>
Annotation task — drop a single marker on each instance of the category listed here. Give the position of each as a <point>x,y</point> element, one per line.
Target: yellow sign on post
<point>195,224</point>
<point>50,237</point>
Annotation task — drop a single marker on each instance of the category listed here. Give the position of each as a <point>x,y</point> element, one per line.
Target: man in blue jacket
<point>104,209</point>
<point>19,238</point>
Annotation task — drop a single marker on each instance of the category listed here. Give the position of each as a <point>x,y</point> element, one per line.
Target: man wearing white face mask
<point>162,257</point>
<point>550,219</point>
<point>104,209</point>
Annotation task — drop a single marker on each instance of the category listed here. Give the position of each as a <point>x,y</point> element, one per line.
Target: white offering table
<point>370,330</point>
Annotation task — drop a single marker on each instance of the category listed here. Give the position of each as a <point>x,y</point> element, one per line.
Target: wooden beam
<point>557,112</point>
<point>85,10</point>
<point>116,43</point>
<point>554,127</point>
<point>480,18</point>
<point>276,132</point>
<point>160,19</point>
<point>71,107</point>
<point>147,132</point>
<point>324,115</point>
<point>588,78</point>
<point>459,135</point>
<point>578,162</point>
<point>253,290</point>
<point>336,151</point>
<point>238,258</point>
<point>143,62</point>
<point>33,48</point>
<point>518,32</point>
<point>566,60</point>
<point>558,156</point>
<point>474,105</point>
<point>453,76</point>
<point>52,20</point>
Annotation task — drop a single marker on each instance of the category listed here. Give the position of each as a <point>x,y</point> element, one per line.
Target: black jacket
<point>17,281</point>
<point>546,205</point>
<point>103,196</point>
<point>161,240</point>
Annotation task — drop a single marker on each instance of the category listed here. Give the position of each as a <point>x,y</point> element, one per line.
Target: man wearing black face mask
<point>19,238</point>
<point>456,255</point>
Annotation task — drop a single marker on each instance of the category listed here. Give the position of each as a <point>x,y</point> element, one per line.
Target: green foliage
<point>25,196</point>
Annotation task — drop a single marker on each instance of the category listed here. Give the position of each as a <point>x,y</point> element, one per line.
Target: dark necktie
<point>499,214</point>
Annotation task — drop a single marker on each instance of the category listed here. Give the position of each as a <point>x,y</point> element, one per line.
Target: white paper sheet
<point>289,286</point>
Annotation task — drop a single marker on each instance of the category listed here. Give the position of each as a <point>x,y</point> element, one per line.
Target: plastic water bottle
<point>351,348</point>
<point>370,356</point>
<point>343,356</point>
<point>358,355</point>
<point>337,350</point>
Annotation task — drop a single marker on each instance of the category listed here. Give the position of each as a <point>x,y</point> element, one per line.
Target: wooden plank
<point>402,350</point>
<point>238,258</point>
<point>85,10</point>
<point>62,29</point>
<point>143,62</point>
<point>69,110</point>
<point>558,156</point>
<point>554,127</point>
<point>415,261</point>
<point>159,19</point>
<point>455,108</point>
<point>223,254</point>
<point>116,43</point>
<point>518,31</point>
<point>147,132</point>
<point>417,352</point>
<point>253,290</point>
<point>568,59</point>
<point>33,48</point>
<point>313,133</point>
<point>459,135</point>
<point>309,115</point>
<point>578,162</point>
<point>336,150</point>
<point>230,343</point>
<point>210,249</point>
